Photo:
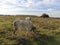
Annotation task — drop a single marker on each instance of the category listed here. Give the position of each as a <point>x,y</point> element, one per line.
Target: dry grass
<point>47,32</point>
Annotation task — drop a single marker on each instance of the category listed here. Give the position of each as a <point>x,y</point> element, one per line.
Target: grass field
<point>47,32</point>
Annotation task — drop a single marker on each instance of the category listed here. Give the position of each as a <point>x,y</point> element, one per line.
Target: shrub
<point>45,15</point>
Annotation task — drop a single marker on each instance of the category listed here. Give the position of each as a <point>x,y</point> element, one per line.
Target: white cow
<point>24,25</point>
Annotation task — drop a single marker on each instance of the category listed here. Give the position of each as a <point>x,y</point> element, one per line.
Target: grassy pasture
<point>47,32</point>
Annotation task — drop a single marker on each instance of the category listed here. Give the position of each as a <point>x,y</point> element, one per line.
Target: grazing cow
<point>24,25</point>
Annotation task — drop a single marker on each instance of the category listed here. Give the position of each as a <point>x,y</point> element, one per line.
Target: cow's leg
<point>19,30</point>
<point>26,33</point>
<point>15,30</point>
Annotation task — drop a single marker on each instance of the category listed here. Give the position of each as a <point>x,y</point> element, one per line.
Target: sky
<point>30,7</point>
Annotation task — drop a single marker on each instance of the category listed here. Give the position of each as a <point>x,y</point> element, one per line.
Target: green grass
<point>47,32</point>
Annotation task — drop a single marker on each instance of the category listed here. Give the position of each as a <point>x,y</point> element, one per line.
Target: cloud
<point>28,3</point>
<point>51,9</point>
<point>54,14</point>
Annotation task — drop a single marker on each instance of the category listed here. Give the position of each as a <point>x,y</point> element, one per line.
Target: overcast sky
<point>33,7</point>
